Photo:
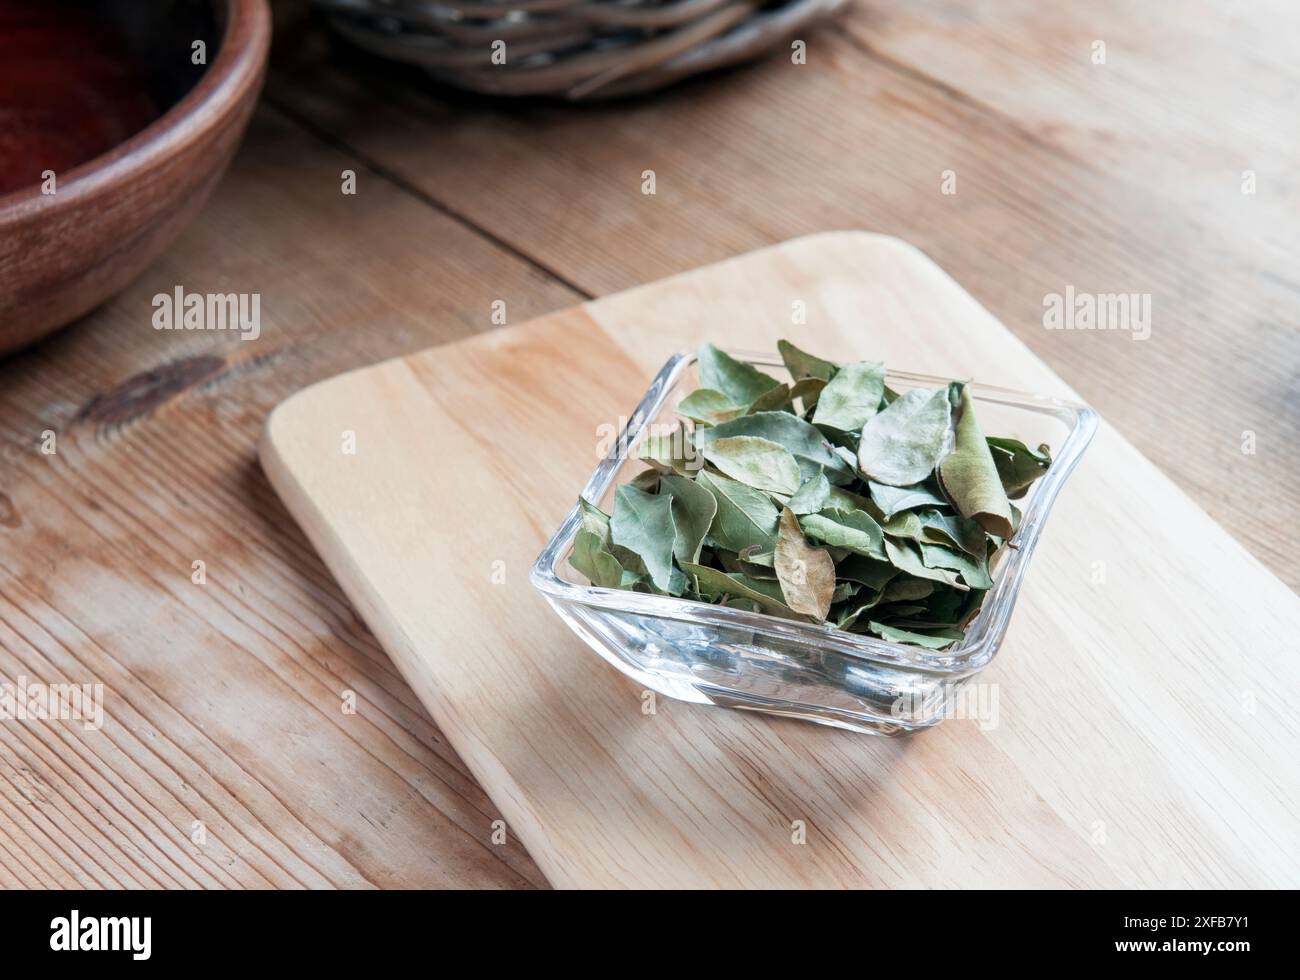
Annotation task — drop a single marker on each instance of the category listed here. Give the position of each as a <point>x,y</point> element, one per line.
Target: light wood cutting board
<point>1146,726</point>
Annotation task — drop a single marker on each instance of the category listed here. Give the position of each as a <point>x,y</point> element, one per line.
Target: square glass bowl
<point>709,654</point>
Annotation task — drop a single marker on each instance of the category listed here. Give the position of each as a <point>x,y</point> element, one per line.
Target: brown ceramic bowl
<point>63,254</point>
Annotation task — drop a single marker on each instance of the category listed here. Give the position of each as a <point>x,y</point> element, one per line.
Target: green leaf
<point>852,529</point>
<point>904,525</point>
<point>671,451</point>
<point>969,477</point>
<point>594,520</point>
<point>708,407</point>
<point>756,462</point>
<point>807,391</point>
<point>812,496</point>
<point>951,529</point>
<point>933,641</point>
<point>874,573</point>
<point>906,557</point>
<point>901,445</point>
<point>746,517</point>
<point>711,582</point>
<point>907,590</point>
<point>893,500</point>
<point>803,441</point>
<point>851,397</point>
<point>974,571</point>
<point>647,480</point>
<point>693,510</point>
<point>643,524</point>
<point>841,499</point>
<point>732,562</point>
<point>592,559</point>
<point>844,591</point>
<point>740,382</point>
<point>774,400</point>
<point>806,574</point>
<point>803,365</point>
<point>1018,465</point>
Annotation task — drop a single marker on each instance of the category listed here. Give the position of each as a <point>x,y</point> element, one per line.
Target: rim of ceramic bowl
<point>240,61</point>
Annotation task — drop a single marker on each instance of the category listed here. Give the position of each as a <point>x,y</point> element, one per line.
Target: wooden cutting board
<point>1146,724</point>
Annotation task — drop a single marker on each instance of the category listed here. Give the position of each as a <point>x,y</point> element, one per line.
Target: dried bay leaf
<point>1018,466</point>
<point>806,574</point>
<point>807,391</point>
<point>974,571</point>
<point>969,477</point>
<point>776,399</point>
<point>740,382</point>
<point>906,590</point>
<point>952,529</point>
<point>745,518</point>
<point>732,562</point>
<point>756,462</point>
<point>874,573</point>
<point>812,496</point>
<point>647,480</point>
<point>893,500</point>
<point>904,525</point>
<point>851,397</point>
<point>852,529</point>
<point>906,557</point>
<point>803,365</point>
<point>801,439</point>
<point>693,509</point>
<point>708,407</point>
<point>670,451</point>
<point>593,559</point>
<point>643,524</point>
<point>594,520</point>
<point>711,582</point>
<point>932,641</point>
<point>902,445</point>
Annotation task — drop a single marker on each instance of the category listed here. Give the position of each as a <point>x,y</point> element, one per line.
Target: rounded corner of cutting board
<point>859,239</point>
<point>291,414</point>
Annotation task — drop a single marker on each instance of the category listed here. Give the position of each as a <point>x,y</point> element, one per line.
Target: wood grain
<point>224,701</point>
<point>1146,721</point>
<point>1129,180</point>
<point>1056,186</point>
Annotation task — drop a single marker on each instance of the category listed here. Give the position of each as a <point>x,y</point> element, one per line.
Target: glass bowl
<point>709,654</point>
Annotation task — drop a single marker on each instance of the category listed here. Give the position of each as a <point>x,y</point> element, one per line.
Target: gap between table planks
<point>1122,177</point>
<point>1147,725</point>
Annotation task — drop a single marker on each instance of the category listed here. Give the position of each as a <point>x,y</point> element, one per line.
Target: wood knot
<point>141,393</point>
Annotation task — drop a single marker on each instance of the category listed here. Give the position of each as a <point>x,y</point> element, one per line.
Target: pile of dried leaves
<point>827,499</point>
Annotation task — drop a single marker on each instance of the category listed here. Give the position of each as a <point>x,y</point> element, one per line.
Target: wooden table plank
<point>781,150</point>
<point>223,701</point>
<point>540,206</point>
<point>1182,98</point>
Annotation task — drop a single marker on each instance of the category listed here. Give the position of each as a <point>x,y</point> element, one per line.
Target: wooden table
<point>227,756</point>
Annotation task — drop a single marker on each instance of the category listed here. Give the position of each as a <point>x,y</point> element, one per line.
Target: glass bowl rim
<point>984,635</point>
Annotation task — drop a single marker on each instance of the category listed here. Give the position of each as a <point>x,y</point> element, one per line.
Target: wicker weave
<point>572,49</point>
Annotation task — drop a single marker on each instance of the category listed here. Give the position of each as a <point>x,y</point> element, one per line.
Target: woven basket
<point>571,49</point>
